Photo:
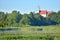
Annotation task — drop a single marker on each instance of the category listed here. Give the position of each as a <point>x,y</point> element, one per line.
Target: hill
<point>16,19</point>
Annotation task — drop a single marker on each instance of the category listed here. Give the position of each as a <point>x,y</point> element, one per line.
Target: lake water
<point>16,31</point>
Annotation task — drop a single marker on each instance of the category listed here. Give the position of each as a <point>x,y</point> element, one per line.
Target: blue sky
<point>25,6</point>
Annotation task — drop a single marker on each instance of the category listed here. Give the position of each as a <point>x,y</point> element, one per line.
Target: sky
<point>25,6</point>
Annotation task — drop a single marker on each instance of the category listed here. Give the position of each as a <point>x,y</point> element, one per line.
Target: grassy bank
<point>31,33</point>
<point>19,37</point>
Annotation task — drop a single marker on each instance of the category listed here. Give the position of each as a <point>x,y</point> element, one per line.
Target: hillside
<point>16,19</point>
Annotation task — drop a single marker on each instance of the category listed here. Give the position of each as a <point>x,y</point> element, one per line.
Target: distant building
<point>44,13</point>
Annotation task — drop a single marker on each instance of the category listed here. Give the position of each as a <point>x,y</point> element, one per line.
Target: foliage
<point>15,18</point>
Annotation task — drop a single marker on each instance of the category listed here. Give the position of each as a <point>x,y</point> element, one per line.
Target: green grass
<point>34,33</point>
<point>18,37</point>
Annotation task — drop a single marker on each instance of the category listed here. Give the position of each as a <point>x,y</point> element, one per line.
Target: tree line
<point>16,19</point>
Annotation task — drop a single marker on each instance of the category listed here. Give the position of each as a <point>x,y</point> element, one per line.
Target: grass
<point>33,33</point>
<point>18,37</point>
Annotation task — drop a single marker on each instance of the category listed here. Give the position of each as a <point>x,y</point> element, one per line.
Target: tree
<point>14,17</point>
<point>25,20</point>
<point>55,17</point>
<point>3,20</point>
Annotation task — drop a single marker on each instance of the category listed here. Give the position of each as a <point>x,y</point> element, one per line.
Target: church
<point>44,13</point>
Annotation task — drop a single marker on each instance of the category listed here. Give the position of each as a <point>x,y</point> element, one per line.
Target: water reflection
<point>19,31</point>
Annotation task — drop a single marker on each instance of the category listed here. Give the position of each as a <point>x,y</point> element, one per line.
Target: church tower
<point>43,13</point>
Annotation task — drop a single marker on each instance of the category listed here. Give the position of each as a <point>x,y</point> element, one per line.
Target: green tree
<point>14,17</point>
<point>3,19</point>
<point>25,20</point>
